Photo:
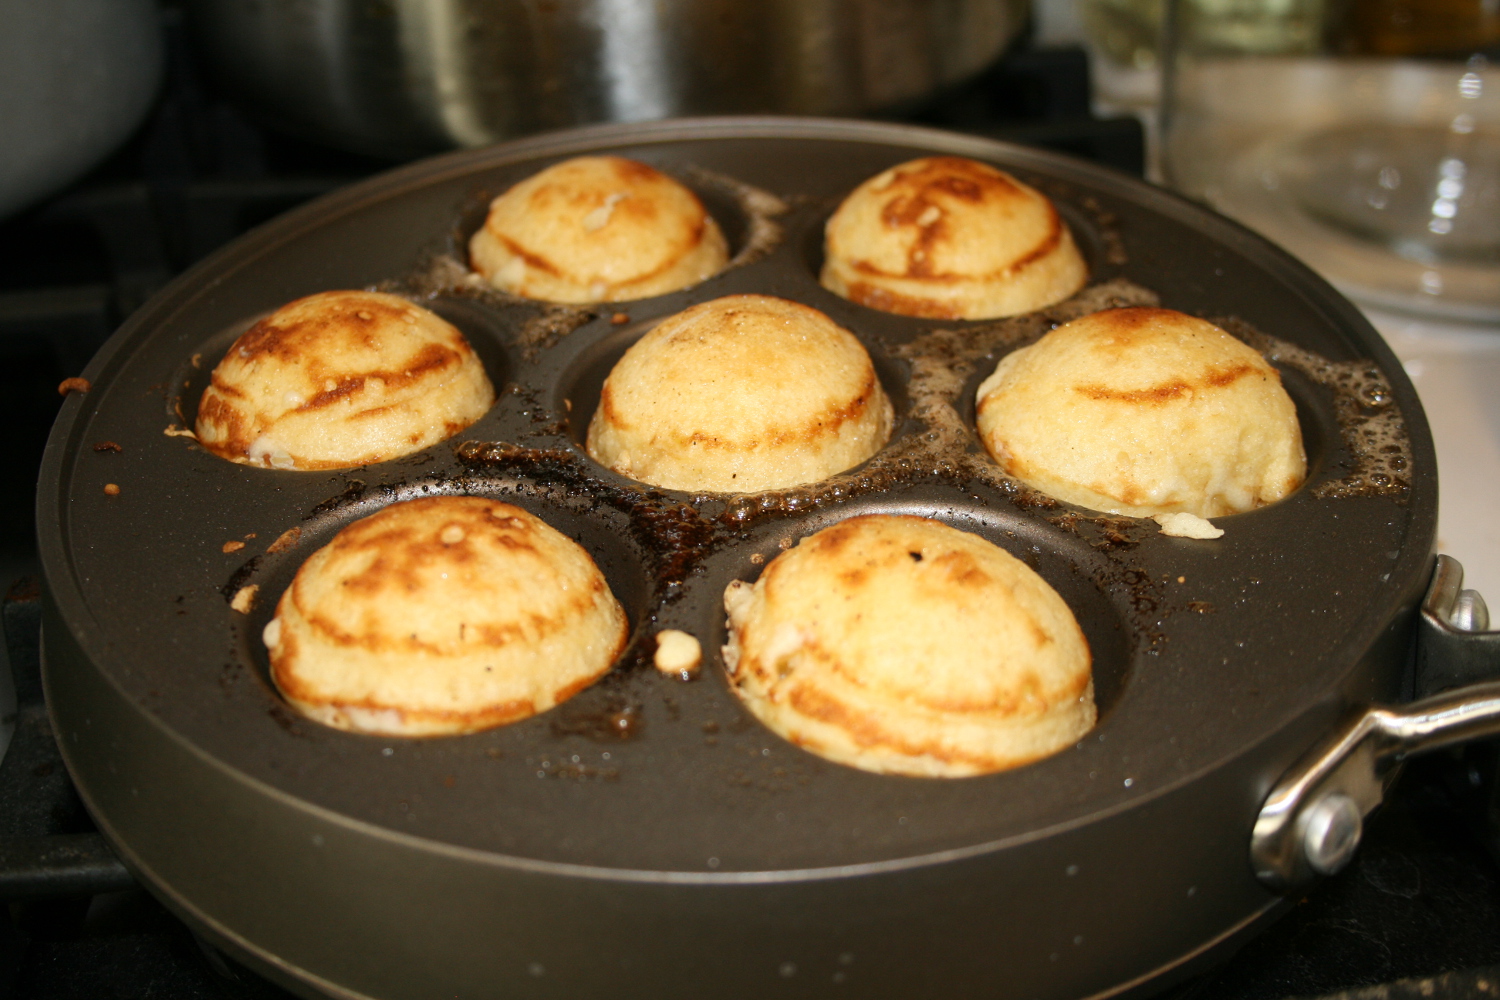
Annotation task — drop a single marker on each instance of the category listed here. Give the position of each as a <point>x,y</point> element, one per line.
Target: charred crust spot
<point>430,358</point>
<point>1219,377</point>
<point>1164,392</point>
<point>1044,247</point>
<point>343,388</point>
<point>287,335</point>
<point>221,387</point>
<point>962,569</point>
<point>855,577</point>
<point>831,541</point>
<point>918,198</point>
<point>608,408</point>
<point>1125,325</point>
<point>819,705</point>
<point>1160,393</point>
<point>531,260</point>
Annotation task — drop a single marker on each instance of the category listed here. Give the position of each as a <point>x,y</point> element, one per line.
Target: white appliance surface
<point>1456,369</point>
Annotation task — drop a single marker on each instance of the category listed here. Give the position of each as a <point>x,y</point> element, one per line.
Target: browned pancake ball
<point>902,645</point>
<point>442,615</point>
<point>949,238</point>
<point>742,393</point>
<point>340,379</point>
<point>1144,412</point>
<point>597,229</point>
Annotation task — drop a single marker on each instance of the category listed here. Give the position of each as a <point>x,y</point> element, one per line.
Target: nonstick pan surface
<point>1217,662</point>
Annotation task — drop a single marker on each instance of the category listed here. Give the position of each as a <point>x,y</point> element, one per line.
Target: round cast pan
<point>649,838</point>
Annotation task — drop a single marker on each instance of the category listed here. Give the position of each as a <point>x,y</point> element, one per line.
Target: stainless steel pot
<point>76,77</point>
<point>401,77</point>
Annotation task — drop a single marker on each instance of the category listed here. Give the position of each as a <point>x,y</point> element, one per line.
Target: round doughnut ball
<point>742,393</point>
<point>949,238</point>
<point>340,379</point>
<point>597,229</point>
<point>1144,412</point>
<point>442,615</point>
<point>901,645</point>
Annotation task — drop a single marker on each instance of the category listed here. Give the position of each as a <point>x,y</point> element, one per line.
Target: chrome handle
<point>1312,821</point>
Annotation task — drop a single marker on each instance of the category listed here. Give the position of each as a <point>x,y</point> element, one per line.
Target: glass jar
<point>1363,135</point>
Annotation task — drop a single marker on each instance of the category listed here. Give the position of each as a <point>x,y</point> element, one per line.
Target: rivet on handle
<point>1312,821</point>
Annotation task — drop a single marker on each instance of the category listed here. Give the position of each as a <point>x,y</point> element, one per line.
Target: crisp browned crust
<point>742,393</point>
<point>341,378</point>
<point>597,228</point>
<point>1144,411</point>
<point>950,238</point>
<point>902,645</point>
<point>442,615</point>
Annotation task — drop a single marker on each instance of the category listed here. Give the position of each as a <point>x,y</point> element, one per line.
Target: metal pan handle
<point>1311,822</point>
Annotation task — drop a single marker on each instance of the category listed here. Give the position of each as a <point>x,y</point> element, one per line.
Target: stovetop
<point>1417,914</point>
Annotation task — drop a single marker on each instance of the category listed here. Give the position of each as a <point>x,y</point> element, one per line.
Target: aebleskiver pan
<point>649,838</point>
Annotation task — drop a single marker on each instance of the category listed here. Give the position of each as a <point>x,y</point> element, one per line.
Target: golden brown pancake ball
<point>442,615</point>
<point>340,379</point>
<point>1144,412</point>
<point>597,229</point>
<point>742,393</point>
<point>901,645</point>
<point>949,238</point>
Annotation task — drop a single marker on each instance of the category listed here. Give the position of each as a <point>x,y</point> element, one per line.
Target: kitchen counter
<point>1456,369</point>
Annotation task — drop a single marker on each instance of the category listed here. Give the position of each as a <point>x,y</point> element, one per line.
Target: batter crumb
<point>1183,525</point>
<point>678,653</point>
<point>284,541</point>
<point>244,598</point>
